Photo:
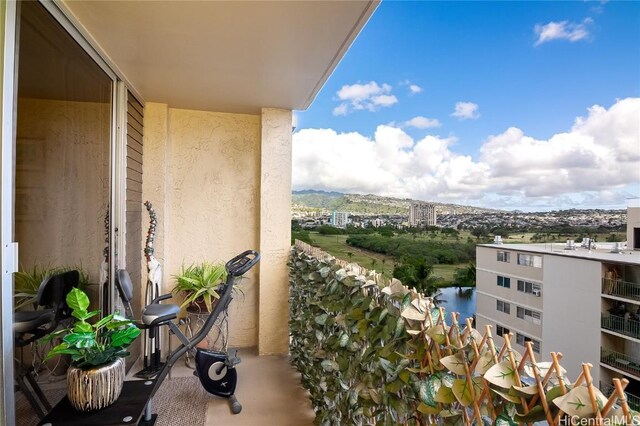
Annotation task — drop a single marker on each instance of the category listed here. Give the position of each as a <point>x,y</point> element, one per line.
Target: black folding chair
<point>30,326</point>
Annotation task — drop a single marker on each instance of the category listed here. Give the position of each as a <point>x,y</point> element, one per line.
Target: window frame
<point>503,256</point>
<point>502,281</point>
<point>506,306</point>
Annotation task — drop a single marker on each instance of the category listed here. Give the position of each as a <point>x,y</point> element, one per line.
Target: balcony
<point>632,400</point>
<point>627,327</point>
<point>625,289</point>
<point>268,388</point>
<point>620,361</point>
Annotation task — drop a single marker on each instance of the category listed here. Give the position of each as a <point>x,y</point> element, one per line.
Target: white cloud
<point>415,89</point>
<point>369,96</point>
<point>342,109</point>
<point>563,30</point>
<point>421,122</point>
<point>596,162</point>
<point>466,111</point>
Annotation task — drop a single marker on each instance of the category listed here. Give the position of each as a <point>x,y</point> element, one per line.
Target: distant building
<point>422,215</point>
<point>339,219</point>
<point>376,223</point>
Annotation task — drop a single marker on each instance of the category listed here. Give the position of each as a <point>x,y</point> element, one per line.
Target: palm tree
<point>436,297</point>
<point>466,277</point>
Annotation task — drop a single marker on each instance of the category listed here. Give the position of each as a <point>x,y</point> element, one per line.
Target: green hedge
<point>350,347</point>
<point>370,354</point>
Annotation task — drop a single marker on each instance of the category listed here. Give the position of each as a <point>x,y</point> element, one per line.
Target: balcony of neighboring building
<point>620,318</point>
<point>621,362</point>
<point>632,400</point>
<point>621,325</point>
<point>620,288</point>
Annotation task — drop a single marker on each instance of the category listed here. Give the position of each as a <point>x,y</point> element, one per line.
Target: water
<point>462,302</point>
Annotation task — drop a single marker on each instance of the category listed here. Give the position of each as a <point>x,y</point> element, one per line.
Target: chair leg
<point>37,403</point>
<point>38,391</point>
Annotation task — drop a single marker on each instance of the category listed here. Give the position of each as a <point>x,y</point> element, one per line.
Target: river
<point>464,303</point>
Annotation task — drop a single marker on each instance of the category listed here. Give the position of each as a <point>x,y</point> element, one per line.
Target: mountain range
<point>368,204</point>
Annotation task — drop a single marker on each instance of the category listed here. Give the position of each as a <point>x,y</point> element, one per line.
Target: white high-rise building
<point>574,298</point>
<point>339,219</point>
<point>422,215</point>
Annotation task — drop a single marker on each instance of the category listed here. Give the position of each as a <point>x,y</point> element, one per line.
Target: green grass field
<point>336,245</point>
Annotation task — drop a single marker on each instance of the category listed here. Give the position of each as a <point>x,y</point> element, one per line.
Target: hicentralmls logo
<point>615,420</point>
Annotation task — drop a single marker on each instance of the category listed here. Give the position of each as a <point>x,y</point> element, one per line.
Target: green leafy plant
<point>199,283</point>
<point>93,344</point>
<point>27,283</point>
<point>374,352</point>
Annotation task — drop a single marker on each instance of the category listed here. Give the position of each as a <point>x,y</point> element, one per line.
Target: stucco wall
<point>487,257</point>
<point>62,183</point>
<point>572,306</point>
<point>275,230</point>
<point>202,173</point>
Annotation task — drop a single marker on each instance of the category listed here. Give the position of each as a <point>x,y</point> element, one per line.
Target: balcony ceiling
<point>227,56</point>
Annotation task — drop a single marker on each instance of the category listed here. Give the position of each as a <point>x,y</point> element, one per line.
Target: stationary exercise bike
<point>215,369</point>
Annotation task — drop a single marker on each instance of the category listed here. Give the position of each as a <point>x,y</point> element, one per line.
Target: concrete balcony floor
<point>268,388</point>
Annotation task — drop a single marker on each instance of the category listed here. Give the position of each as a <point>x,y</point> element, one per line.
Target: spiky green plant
<point>200,281</point>
<point>27,282</point>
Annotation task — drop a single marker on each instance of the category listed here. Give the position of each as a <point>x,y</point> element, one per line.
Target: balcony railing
<point>620,361</point>
<point>621,288</point>
<point>628,327</point>
<point>632,400</point>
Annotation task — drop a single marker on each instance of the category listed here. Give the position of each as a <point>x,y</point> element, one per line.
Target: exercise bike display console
<point>216,370</point>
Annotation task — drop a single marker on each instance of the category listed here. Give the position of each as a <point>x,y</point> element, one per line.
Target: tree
<point>374,262</point>
<point>350,256</point>
<point>614,238</point>
<point>417,273</point>
<point>479,231</point>
<point>465,277</point>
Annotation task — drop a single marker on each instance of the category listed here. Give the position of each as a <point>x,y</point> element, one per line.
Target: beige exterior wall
<point>487,306</point>
<point>221,184</point>
<point>275,230</point>
<point>201,173</point>
<point>487,257</point>
<point>62,178</point>
<point>488,292</point>
<point>486,282</point>
<point>572,306</point>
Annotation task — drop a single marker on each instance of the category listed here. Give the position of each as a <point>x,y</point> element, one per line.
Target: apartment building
<point>582,300</point>
<point>339,219</point>
<point>422,214</point>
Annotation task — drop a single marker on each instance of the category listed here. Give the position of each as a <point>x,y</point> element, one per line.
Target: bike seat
<point>156,314</point>
<point>27,321</point>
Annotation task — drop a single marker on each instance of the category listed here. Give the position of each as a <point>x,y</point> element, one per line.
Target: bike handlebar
<point>242,263</point>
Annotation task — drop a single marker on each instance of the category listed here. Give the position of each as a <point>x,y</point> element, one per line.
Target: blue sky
<point>521,73</point>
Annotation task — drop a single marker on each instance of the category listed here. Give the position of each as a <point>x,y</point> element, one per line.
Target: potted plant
<point>25,294</point>
<point>199,283</point>
<point>27,283</point>
<point>97,371</point>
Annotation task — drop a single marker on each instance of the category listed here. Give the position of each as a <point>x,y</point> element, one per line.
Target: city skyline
<point>455,103</point>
